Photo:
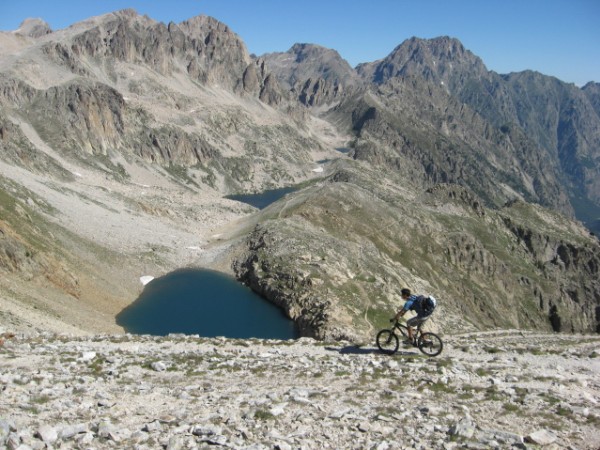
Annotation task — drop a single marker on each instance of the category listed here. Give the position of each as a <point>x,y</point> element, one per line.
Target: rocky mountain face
<point>104,77</point>
<point>315,75</point>
<point>592,90</point>
<point>559,119</point>
<point>441,61</point>
<point>310,61</point>
<point>417,138</point>
<point>121,136</point>
<point>551,129</point>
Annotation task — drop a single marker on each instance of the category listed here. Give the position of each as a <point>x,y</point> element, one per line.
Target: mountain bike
<point>388,341</point>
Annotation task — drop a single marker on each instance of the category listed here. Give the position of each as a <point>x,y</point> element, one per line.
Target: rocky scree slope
<point>506,389</point>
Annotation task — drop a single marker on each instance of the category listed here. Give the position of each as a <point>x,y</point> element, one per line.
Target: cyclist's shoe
<point>410,342</point>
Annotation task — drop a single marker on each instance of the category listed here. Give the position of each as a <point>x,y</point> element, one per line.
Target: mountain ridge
<point>537,103</point>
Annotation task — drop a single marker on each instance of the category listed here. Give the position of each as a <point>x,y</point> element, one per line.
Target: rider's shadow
<point>353,350</point>
<point>356,350</point>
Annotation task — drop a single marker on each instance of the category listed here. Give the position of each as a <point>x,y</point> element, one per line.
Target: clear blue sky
<point>555,37</point>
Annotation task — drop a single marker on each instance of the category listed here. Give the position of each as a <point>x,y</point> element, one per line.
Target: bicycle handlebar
<point>397,321</point>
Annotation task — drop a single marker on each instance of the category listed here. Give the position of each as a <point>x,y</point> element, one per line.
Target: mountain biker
<point>418,304</point>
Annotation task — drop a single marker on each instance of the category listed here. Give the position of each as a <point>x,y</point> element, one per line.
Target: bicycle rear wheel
<point>387,341</point>
<point>430,344</point>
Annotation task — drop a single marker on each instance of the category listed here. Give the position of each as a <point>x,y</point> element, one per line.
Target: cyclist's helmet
<point>405,292</point>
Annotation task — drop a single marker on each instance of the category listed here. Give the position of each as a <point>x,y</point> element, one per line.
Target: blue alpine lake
<point>587,212</point>
<point>262,199</point>
<point>207,303</point>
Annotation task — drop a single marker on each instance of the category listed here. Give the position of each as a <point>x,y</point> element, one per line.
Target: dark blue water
<point>588,213</point>
<point>262,199</point>
<point>204,302</point>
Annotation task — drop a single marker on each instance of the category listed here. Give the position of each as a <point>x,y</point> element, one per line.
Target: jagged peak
<point>533,76</point>
<point>34,27</point>
<point>434,59</point>
<point>126,13</point>
<point>591,85</point>
<point>305,61</point>
<point>203,22</point>
<point>307,51</point>
<point>105,20</point>
<point>439,42</point>
<point>304,50</point>
<point>441,48</point>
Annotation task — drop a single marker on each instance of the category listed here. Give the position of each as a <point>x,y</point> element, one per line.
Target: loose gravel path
<point>501,389</point>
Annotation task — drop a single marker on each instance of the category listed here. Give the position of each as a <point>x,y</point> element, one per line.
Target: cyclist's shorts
<point>416,321</point>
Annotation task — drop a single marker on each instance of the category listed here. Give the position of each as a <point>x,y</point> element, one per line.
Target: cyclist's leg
<point>410,324</point>
<point>422,321</point>
<point>417,322</point>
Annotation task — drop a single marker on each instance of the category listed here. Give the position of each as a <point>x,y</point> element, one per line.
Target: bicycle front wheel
<point>388,342</point>
<point>430,344</point>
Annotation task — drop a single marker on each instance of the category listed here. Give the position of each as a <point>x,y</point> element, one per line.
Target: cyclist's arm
<point>400,314</point>
<point>405,308</point>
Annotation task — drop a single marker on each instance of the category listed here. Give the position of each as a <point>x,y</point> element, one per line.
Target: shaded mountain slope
<point>431,137</point>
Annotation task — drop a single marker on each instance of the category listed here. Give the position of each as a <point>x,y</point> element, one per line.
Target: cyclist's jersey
<point>414,303</point>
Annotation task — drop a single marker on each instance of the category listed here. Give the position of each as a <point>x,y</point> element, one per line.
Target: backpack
<point>428,304</point>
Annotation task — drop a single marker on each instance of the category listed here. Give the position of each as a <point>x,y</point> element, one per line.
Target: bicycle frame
<point>427,342</point>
